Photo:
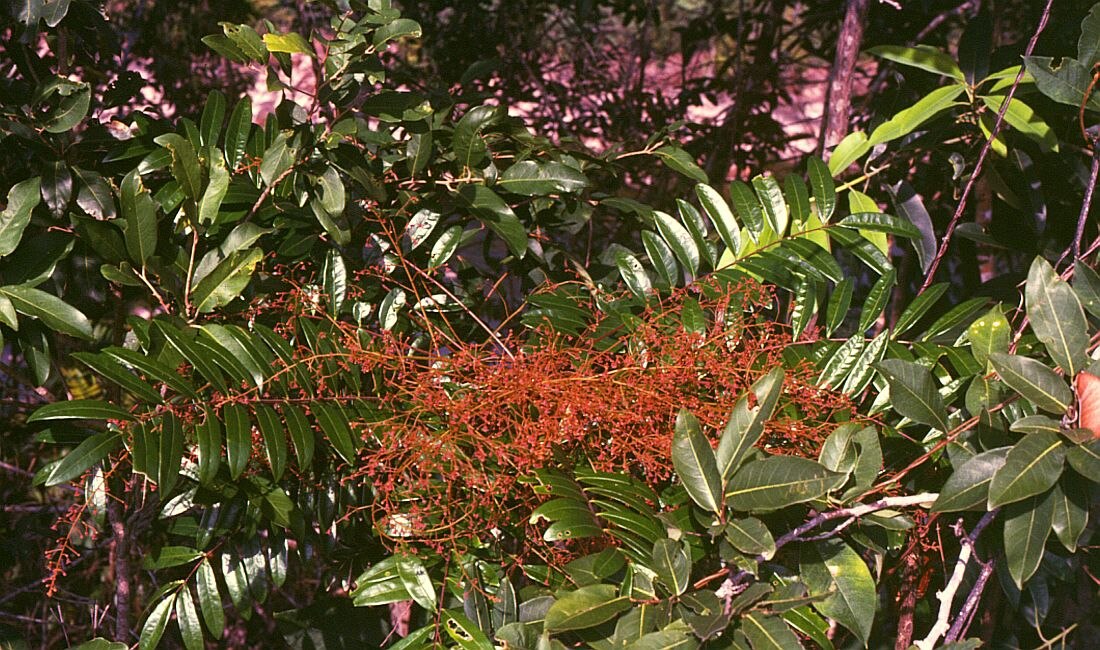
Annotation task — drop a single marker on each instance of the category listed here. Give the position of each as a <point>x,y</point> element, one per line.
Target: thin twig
<point>966,614</point>
<point>946,241</point>
<point>1086,204</point>
<point>947,594</point>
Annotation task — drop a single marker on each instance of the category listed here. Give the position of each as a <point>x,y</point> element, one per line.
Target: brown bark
<point>838,97</point>
<point>120,565</point>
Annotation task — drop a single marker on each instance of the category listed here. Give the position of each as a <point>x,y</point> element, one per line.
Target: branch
<point>984,153</point>
<point>947,594</point>
<point>851,514</point>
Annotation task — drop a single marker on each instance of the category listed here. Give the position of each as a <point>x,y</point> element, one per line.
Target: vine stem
<point>951,225</point>
<point>947,594</point>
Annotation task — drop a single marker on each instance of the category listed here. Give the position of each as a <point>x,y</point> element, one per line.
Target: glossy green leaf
<point>661,257</point>
<point>237,132</point>
<point>746,422</point>
<point>823,187</point>
<point>169,450</point>
<point>672,565</point>
<point>153,627</point>
<point>495,213</point>
<point>1085,459</point>
<point>290,43</point>
<point>464,632</point>
<point>910,119</point>
<point>335,427</point>
<point>1021,117</point>
<point>913,393</point>
<point>445,246</point>
<point>679,240</point>
<point>54,313</point>
<point>1027,525</point>
<point>415,577</point>
<point>185,164</point>
<point>665,640</point>
<point>380,585</point>
<point>695,463</point>
<point>990,333</point>
<point>1070,516</point>
<point>877,298</point>
<point>89,452</point>
<point>1056,317</point>
<point>210,600</point>
<point>720,214</point>
<point>1031,467</point>
<point>750,535</point>
<point>804,620</point>
<point>188,619</point>
<point>633,273</point>
<point>779,481</point>
<point>301,434</point>
<point>151,369</point>
<point>469,147</point>
<point>95,196</point>
<point>226,281</point>
<point>274,438</point>
<point>400,28</point>
<point>71,110</point>
<point>968,485</point>
<point>111,369</point>
<point>192,353</point>
<point>1033,380</point>
<point>529,178</point>
<point>1065,82</point>
<point>139,212</point>
<point>214,194</point>
<point>238,438</point>
<point>681,162</point>
<point>79,409</point>
<point>834,568</point>
<point>390,309</point>
<point>22,198</point>
<point>748,208</point>
<point>768,632</point>
<point>923,57</point>
<point>881,222</point>
<point>775,205</point>
<point>839,302</point>
<point>585,607</point>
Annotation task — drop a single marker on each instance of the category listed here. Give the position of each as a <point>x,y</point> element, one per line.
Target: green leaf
<point>445,246</point>
<point>246,40</point>
<point>415,578</point>
<point>212,197</point>
<point>913,393</point>
<point>877,298</point>
<point>823,187</point>
<point>139,212</point>
<point>95,196</point>
<point>1031,467</point>
<point>1027,525</point>
<point>1034,381</point>
<point>1066,84</point>
<point>277,158</point>
<point>748,208</point>
<point>529,178</point>
<point>336,281</point>
<point>238,131</point>
<point>464,632</point>
<point>661,257</point>
<point>185,344</point>
<point>185,164</point>
<point>420,227</point>
<point>679,240</point>
<point>113,370</point>
<point>79,409</point>
<point>391,307</point>
<point>335,427</point>
<point>469,147</point>
<point>672,565</point>
<point>923,57</point>
<point>188,618</point>
<point>908,120</point>
<point>681,162</point>
<point>832,567</point>
<point>400,28</point>
<point>210,601</point>
<point>301,434</point>
<point>154,625</point>
<point>488,207</point>
<point>151,369</point>
<point>880,222</point>
<point>779,481</point>
<point>694,461</point>
<point>169,453</point>
<point>1021,117</point>
<point>51,310</point>
<point>290,43</point>
<point>1085,459</point>
<point>226,281</point>
<point>89,452</point>
<point>586,607</point>
<point>238,438</point>
<point>665,640</point>
<point>274,438</point>
<point>213,113</point>
<point>1056,317</point>
<point>813,626</point>
<point>839,303</point>
<point>209,438</point>
<point>775,206</point>
<point>990,333</point>
<point>768,632</point>
<point>847,151</point>
<point>750,535</point>
<point>633,273</point>
<point>720,215</point>
<point>968,486</point>
<point>910,207</point>
<point>1070,516</point>
<point>380,585</point>
<point>71,110</point>
<point>746,422</point>
<point>22,198</point>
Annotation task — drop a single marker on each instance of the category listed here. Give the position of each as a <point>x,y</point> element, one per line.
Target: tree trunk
<point>838,97</point>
